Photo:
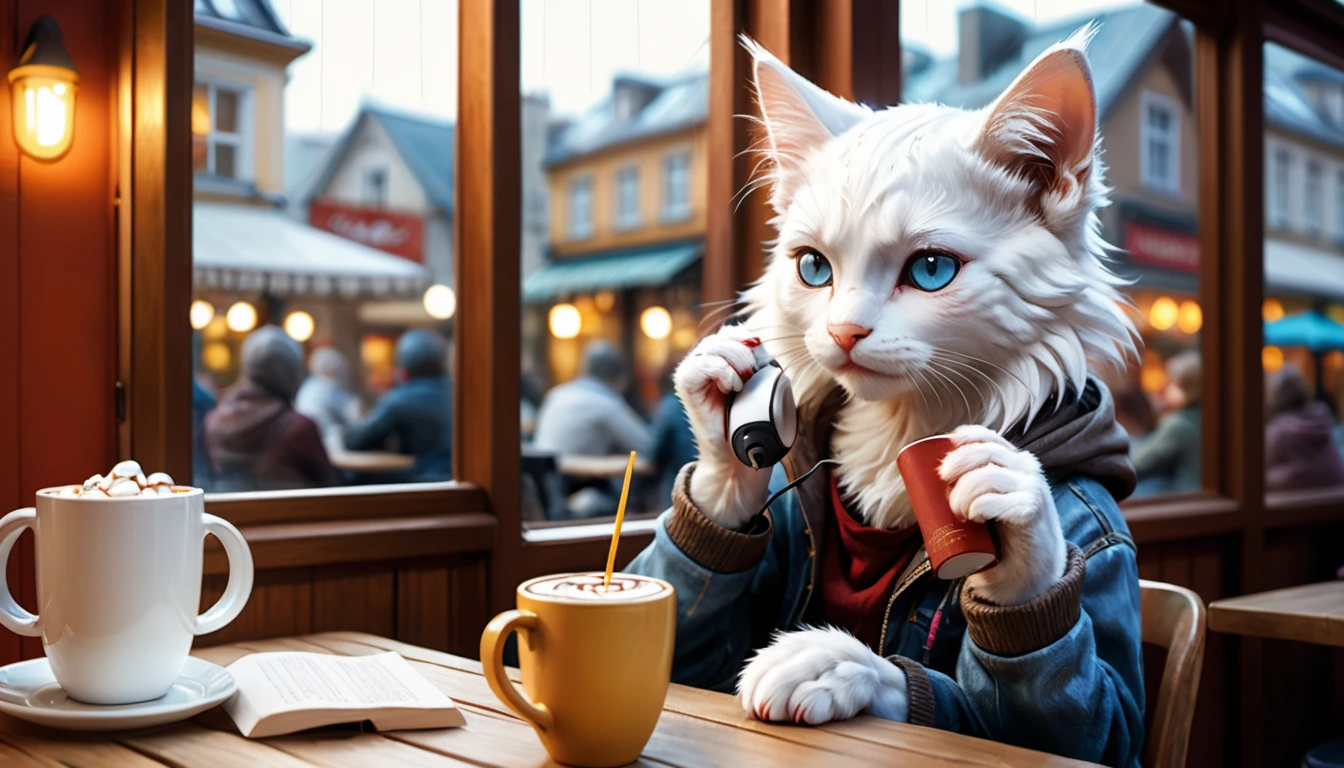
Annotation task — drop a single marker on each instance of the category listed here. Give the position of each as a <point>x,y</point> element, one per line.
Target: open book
<point>284,692</point>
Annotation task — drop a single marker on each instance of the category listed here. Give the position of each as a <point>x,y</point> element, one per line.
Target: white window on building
<point>677,186</point>
<point>1279,185</point>
<point>581,208</point>
<point>1315,198</point>
<point>627,198</point>
<point>1339,207</point>
<point>374,192</point>
<point>1160,143</point>
<point>221,139</point>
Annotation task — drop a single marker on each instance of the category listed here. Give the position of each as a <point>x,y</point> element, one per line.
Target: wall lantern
<point>43,84</point>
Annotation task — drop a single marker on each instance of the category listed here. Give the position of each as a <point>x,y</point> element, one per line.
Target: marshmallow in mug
<point>125,481</point>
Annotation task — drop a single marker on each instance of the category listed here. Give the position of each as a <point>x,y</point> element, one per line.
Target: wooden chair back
<point>1173,618</point>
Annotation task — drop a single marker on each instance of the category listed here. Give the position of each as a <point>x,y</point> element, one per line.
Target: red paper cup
<point>956,547</point>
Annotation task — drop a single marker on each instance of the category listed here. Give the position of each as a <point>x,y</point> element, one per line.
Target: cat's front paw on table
<point>816,676</point>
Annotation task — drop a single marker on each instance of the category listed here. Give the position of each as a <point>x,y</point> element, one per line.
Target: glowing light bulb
<point>202,312</point>
<point>241,317</point>
<point>1271,358</point>
<point>1272,310</point>
<point>565,321</point>
<point>1190,318</point>
<point>440,302</point>
<point>655,322</point>
<point>1164,313</point>
<point>300,326</point>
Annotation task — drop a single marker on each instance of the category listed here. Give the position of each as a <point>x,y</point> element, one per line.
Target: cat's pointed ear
<point>1044,126</point>
<point>798,117</point>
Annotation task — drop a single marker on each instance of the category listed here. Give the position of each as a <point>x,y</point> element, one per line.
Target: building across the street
<point>627,226</point>
<point>252,264</point>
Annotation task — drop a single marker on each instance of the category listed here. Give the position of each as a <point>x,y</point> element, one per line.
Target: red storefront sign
<point>1161,247</point>
<point>399,234</point>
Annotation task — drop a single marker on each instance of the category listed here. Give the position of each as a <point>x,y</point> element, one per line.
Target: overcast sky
<point>404,52</point>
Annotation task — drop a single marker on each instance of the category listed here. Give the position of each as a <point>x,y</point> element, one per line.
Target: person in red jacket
<point>255,438</point>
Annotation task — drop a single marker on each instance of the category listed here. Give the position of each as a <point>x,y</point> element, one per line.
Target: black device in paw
<point>762,419</point>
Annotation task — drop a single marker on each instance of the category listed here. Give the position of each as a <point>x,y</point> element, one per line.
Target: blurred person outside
<point>1168,459</point>
<point>673,441</point>
<point>325,396</point>
<point>589,417</point>
<point>1300,450</point>
<point>255,438</point>
<point>417,412</point>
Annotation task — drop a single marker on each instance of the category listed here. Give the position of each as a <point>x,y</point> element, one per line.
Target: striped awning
<point>253,248</point>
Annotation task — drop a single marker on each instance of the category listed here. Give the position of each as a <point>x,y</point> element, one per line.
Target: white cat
<point>945,267</point>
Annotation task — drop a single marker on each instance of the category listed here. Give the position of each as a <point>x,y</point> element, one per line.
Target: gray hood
<point>1083,437</point>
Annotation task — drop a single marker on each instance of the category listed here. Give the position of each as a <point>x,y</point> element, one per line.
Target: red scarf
<point>859,568</point>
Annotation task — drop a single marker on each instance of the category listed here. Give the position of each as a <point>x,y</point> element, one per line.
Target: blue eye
<point>931,270</point>
<point>814,270</point>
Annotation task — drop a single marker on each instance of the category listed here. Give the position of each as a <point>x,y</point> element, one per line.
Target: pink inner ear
<point>793,127</point>
<point>1058,85</point>
<point>1063,86</point>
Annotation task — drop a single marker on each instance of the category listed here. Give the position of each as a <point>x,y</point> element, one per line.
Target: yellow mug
<point>596,663</point>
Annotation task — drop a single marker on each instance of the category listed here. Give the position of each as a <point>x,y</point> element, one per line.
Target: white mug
<point>118,588</point>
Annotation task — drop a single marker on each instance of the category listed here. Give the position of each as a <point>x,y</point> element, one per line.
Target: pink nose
<point>846,335</point>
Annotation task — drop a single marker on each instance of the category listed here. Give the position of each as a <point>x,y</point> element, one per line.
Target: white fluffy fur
<point>815,676</point>
<point>1012,189</point>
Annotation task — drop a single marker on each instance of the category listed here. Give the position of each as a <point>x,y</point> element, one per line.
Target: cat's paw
<point>816,676</point>
<point>725,490</point>
<point>993,481</point>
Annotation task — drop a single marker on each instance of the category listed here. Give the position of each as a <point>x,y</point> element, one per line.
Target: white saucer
<point>29,691</point>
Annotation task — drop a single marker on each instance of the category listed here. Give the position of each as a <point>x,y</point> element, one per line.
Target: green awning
<point>611,270</point>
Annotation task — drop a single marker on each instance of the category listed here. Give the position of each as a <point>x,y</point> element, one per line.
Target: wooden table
<point>372,462</point>
<point>698,728</point>
<point>1313,613</point>
<point>601,466</point>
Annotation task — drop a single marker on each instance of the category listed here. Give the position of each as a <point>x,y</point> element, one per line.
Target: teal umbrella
<point>1309,329</point>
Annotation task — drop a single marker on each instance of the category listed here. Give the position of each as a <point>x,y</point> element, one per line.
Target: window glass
<point>676,185</point>
<point>226,110</point>
<point>1303,308</point>
<point>1315,201</point>
<point>1142,62</point>
<point>1161,142</point>
<point>627,210</point>
<point>581,208</point>
<point>1280,185</point>
<point>614,102</point>
<point>323,298</point>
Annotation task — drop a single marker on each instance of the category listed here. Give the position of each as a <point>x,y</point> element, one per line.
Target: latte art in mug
<point>588,586</point>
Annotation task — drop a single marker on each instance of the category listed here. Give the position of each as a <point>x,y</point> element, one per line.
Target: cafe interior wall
<point>57,285</point>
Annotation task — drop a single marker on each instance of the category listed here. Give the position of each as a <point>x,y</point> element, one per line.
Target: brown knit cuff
<point>918,689</point>
<point>708,543</point>
<point>1016,630</point>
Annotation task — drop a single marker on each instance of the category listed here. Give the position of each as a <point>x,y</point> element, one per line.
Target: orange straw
<point>620,516</point>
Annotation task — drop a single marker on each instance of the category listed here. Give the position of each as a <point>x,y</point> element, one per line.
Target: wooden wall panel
<point>438,603</point>
<point>281,604</point>
<point>359,598</point>
<point>468,605</point>
<point>9,317</point>
<point>1200,565</point>
<point>1302,699</point>
<point>57,308</point>
<point>422,606</point>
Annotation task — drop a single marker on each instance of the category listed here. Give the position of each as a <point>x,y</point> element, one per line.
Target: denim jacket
<point>1061,674</point>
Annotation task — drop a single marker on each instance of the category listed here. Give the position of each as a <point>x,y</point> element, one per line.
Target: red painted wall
<point>57,285</point>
